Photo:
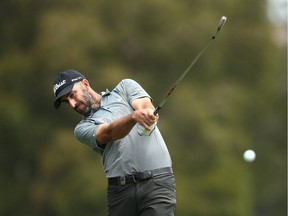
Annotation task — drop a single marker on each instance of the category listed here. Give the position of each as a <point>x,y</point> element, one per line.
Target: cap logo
<point>58,85</point>
<point>76,79</point>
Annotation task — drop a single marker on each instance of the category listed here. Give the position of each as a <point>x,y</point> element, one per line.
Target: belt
<point>137,177</point>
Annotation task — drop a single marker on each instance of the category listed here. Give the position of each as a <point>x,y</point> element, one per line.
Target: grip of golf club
<point>156,111</point>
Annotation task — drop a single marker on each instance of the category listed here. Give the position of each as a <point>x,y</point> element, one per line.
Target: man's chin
<point>84,112</point>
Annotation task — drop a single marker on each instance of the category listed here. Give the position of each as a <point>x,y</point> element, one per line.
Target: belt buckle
<point>122,180</point>
<point>148,174</point>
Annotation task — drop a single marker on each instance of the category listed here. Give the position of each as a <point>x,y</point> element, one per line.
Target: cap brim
<point>65,91</point>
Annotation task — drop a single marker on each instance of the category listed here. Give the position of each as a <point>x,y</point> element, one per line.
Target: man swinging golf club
<point>138,168</point>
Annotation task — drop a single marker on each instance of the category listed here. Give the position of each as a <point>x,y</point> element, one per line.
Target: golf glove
<point>142,131</point>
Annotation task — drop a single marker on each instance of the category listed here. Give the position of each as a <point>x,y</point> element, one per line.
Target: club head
<point>221,22</point>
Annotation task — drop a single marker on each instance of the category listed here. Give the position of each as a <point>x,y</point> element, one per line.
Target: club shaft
<point>161,104</point>
<point>174,86</point>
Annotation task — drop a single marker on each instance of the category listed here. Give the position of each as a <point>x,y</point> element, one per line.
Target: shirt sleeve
<point>132,90</point>
<point>85,132</point>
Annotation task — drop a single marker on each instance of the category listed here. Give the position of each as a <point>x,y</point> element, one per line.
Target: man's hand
<point>147,121</point>
<point>146,117</point>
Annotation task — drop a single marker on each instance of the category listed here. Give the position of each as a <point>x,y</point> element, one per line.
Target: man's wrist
<point>133,117</point>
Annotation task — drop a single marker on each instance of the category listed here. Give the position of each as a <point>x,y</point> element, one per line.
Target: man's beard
<point>85,106</point>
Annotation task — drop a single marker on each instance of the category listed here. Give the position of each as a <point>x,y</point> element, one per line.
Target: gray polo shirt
<point>133,153</point>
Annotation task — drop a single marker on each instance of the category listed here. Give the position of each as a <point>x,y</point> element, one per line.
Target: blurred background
<point>233,99</point>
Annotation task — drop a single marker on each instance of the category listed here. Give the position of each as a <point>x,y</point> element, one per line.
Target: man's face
<point>79,99</point>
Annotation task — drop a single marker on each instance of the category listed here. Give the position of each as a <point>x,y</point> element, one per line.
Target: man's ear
<point>86,84</point>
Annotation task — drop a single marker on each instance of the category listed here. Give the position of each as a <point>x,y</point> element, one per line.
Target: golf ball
<point>249,155</point>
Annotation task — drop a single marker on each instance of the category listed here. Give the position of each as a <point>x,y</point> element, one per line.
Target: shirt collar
<point>104,93</point>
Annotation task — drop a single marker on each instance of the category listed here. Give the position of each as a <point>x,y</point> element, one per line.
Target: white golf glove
<point>142,131</point>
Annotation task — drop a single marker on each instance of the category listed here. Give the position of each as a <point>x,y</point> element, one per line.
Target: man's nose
<point>71,102</point>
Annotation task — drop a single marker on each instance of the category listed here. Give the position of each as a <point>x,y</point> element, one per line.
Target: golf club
<point>219,27</point>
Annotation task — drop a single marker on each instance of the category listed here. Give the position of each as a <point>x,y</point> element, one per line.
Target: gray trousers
<point>151,197</point>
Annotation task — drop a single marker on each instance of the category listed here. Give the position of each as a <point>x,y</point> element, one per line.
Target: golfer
<point>137,164</point>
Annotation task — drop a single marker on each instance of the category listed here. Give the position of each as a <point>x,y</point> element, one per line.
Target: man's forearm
<point>115,130</point>
<point>142,103</point>
<point>118,129</point>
